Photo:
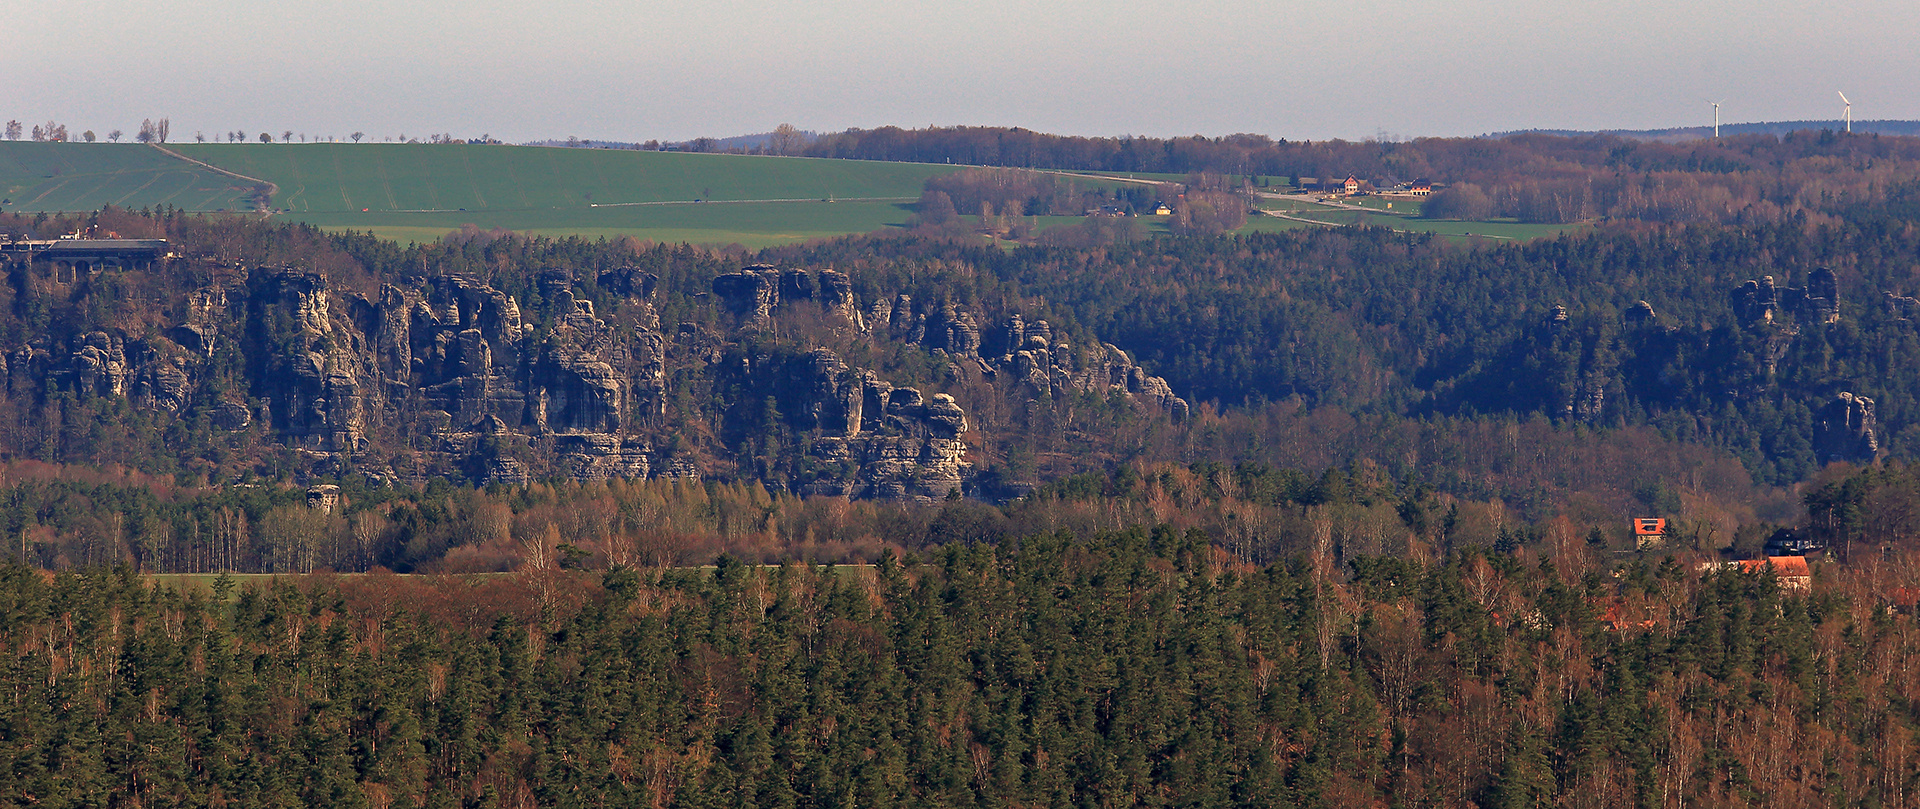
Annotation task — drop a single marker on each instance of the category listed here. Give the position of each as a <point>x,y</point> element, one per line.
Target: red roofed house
<point>1649,532</point>
<point>1618,616</point>
<point>1793,572</point>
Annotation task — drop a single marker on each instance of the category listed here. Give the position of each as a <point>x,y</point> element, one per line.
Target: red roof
<point>1783,566</point>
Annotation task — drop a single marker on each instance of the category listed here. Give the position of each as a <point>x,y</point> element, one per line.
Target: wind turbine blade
<point>1843,99</point>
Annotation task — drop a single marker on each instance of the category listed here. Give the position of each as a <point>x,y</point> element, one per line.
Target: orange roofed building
<point>1649,533</point>
<point>1793,571</point>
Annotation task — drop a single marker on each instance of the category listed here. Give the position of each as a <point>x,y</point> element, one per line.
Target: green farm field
<point>88,176</point>
<point>420,192</point>
<point>1451,228</point>
<point>1406,206</point>
<point>1503,230</point>
<point>430,178</point>
<point>750,224</point>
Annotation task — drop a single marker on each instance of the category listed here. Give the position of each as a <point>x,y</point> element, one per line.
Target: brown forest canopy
<point>1532,177</point>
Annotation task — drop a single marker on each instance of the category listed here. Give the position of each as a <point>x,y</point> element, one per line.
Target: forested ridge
<point>1531,374</point>
<point>1328,517</point>
<point>1531,177</point>
<point>1128,668</point>
<point>1374,321</point>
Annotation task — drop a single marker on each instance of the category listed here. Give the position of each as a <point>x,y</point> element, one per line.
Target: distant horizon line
<point>1883,126</point>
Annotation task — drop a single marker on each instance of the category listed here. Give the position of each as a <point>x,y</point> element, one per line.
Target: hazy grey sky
<point>639,69</point>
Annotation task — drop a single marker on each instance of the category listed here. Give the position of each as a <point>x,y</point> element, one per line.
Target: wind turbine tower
<point>1849,118</point>
<point>1716,118</point>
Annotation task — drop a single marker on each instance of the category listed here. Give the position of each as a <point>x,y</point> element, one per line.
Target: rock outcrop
<point>1844,430</point>
<point>1817,302</point>
<point>1028,353</point>
<point>1902,307</point>
<point>450,374</point>
<point>889,442</point>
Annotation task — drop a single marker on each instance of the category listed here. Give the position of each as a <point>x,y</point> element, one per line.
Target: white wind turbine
<point>1716,117</point>
<point>1849,119</point>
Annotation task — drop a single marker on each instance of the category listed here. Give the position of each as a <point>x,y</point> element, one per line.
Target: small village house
<point>1793,572</point>
<point>1649,533</point>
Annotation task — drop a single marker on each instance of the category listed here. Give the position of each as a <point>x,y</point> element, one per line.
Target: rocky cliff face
<point>1845,430</point>
<point>451,375</point>
<point>902,442</point>
<point>1817,302</point>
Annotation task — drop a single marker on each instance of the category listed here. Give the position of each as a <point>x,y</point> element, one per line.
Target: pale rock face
<point>451,373</point>
<point>1844,430</point>
<point>1762,300</point>
<point>100,366</point>
<point>836,295</point>
<point>752,292</point>
<point>897,441</point>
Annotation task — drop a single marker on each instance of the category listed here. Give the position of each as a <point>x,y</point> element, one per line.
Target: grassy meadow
<point>1375,213</point>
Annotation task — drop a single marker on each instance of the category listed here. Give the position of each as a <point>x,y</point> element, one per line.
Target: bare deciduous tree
<point>786,140</point>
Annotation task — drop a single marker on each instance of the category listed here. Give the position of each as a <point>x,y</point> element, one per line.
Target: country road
<point>265,206</point>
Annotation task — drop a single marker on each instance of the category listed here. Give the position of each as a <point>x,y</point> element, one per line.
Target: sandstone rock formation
<point>450,374</point>
<point>1902,307</point>
<point>1844,430</point>
<point>1818,302</point>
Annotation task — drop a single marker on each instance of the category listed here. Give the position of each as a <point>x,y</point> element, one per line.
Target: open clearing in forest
<point>1350,213</point>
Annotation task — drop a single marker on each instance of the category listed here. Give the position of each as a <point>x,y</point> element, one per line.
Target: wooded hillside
<point>1130,668</point>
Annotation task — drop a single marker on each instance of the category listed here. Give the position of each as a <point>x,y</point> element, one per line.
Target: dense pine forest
<point>1322,517</point>
<point>1133,668</point>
